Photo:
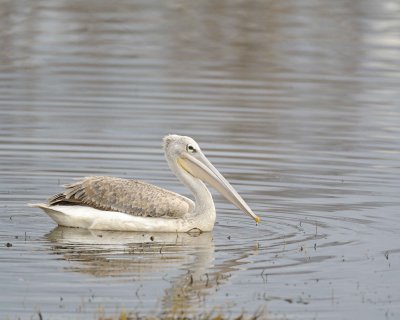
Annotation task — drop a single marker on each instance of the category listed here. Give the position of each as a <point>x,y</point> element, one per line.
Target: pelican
<point>107,203</point>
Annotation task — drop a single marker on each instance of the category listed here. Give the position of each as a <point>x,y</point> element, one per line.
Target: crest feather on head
<point>168,139</point>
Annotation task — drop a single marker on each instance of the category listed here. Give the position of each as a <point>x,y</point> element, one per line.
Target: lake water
<point>297,103</point>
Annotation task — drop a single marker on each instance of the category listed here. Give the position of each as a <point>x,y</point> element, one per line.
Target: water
<point>296,103</point>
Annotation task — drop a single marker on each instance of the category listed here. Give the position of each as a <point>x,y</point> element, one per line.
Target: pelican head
<point>188,157</point>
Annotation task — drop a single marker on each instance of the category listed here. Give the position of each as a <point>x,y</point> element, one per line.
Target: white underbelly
<point>91,218</point>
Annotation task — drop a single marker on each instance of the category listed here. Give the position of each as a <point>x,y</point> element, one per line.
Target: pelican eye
<point>190,149</point>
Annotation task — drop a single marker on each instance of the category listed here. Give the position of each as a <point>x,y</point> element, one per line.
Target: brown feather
<point>124,195</point>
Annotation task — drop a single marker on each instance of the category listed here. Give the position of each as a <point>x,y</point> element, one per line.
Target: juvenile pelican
<point>106,203</point>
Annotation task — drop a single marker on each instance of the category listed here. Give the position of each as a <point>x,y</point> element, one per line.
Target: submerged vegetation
<point>182,315</point>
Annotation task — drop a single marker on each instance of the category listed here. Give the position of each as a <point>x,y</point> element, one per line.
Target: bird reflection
<point>144,256</point>
<point>110,253</point>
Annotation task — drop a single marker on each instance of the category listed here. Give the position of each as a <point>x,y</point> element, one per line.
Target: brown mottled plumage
<point>124,195</point>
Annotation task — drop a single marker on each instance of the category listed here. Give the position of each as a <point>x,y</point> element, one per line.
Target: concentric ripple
<point>296,104</point>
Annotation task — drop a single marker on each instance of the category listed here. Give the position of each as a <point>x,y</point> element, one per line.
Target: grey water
<point>297,103</point>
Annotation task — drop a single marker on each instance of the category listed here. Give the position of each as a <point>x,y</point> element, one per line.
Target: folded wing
<point>124,195</point>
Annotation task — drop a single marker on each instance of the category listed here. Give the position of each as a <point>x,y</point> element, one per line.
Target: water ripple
<point>297,105</point>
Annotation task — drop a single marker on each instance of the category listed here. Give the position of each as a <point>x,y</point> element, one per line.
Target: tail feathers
<point>59,197</point>
<point>74,193</point>
<point>56,199</point>
<point>38,205</point>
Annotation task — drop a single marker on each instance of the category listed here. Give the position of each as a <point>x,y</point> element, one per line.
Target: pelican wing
<point>124,195</point>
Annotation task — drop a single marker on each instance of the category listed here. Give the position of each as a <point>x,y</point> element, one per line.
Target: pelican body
<point>106,203</point>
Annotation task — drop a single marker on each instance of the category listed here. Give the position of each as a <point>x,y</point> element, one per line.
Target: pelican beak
<point>199,167</point>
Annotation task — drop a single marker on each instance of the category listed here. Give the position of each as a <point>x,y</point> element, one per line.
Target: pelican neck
<point>204,204</point>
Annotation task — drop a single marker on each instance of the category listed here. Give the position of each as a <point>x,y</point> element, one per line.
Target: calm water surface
<point>297,104</point>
